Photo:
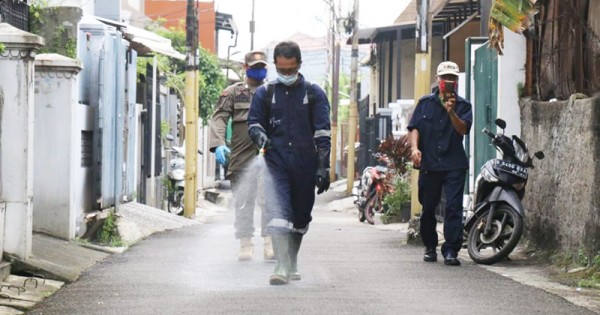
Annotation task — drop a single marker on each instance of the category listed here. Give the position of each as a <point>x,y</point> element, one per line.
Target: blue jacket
<point>296,129</point>
<point>440,144</point>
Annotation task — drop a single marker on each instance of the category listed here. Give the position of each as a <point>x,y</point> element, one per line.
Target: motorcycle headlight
<point>488,176</point>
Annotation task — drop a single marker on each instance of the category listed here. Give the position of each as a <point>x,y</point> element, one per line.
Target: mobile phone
<point>447,89</point>
<point>448,86</point>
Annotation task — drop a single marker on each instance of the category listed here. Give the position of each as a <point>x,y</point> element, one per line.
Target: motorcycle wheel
<point>371,207</point>
<point>504,234</point>
<point>175,206</point>
<point>361,215</point>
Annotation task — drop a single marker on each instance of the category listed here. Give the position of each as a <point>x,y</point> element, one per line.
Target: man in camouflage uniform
<point>234,104</point>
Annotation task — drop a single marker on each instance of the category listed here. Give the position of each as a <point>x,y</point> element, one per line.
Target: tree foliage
<point>211,81</point>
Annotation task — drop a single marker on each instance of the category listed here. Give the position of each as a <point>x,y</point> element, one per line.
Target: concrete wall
<point>16,136</point>
<point>58,147</point>
<point>562,201</point>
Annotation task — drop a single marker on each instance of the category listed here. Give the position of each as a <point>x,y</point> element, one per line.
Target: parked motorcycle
<point>176,176</point>
<point>373,187</point>
<point>495,217</point>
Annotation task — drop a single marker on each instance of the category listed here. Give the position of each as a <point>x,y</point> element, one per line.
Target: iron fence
<point>15,13</point>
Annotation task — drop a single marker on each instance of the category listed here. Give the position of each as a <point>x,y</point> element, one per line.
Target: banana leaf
<point>515,15</point>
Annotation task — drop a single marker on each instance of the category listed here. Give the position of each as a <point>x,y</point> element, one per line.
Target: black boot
<point>282,268</point>
<point>294,248</point>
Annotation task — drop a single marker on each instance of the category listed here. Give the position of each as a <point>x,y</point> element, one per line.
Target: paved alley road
<point>347,267</point>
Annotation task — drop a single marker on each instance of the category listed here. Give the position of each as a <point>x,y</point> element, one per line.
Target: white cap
<point>447,67</point>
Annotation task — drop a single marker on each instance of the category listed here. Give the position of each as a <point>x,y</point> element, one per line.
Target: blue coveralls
<point>443,164</point>
<point>296,131</point>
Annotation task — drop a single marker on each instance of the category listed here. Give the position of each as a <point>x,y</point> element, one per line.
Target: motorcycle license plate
<point>511,168</point>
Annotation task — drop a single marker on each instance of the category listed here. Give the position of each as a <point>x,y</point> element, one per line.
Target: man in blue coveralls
<point>289,118</point>
<point>437,128</point>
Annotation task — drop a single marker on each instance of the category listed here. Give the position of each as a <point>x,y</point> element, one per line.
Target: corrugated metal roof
<point>441,9</point>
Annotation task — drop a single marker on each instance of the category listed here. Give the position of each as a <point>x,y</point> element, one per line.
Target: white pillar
<point>59,174</point>
<point>16,136</point>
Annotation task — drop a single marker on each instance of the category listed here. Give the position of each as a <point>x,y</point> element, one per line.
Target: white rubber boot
<point>246,249</point>
<point>268,253</point>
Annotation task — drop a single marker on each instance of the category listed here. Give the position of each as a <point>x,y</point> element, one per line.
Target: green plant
<point>167,184</point>
<point>2,48</point>
<point>398,150</point>
<point>59,40</point>
<point>212,82</point>
<point>576,268</point>
<point>109,234</point>
<point>164,128</point>
<point>520,89</point>
<point>398,198</point>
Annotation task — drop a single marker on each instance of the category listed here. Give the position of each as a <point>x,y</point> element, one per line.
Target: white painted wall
<point>16,136</point>
<point>57,144</point>
<point>511,74</point>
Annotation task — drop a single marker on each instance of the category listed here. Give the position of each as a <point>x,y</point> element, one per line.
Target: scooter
<point>494,218</point>
<point>176,176</point>
<point>373,187</point>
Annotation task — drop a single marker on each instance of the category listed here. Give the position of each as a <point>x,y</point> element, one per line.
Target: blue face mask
<point>257,74</point>
<point>287,79</point>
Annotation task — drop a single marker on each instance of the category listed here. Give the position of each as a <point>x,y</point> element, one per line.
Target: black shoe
<point>430,255</point>
<point>451,260</point>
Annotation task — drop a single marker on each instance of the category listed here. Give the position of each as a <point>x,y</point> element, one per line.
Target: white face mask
<point>287,79</point>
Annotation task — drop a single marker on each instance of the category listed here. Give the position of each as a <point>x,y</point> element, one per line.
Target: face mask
<point>287,79</point>
<point>257,74</point>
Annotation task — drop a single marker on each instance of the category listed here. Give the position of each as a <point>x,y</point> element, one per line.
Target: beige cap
<point>447,67</point>
<point>255,57</point>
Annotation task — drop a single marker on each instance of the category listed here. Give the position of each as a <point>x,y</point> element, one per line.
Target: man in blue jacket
<point>289,117</point>
<point>437,128</point>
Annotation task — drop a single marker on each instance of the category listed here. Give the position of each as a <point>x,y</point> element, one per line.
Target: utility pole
<point>422,81</point>
<point>335,99</point>
<point>252,28</point>
<point>335,87</point>
<point>352,119</point>
<point>191,110</point>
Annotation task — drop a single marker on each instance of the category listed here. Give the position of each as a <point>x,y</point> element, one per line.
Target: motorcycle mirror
<point>501,123</point>
<point>539,154</point>
<point>170,137</point>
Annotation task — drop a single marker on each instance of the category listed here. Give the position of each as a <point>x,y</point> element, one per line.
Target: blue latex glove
<point>221,153</point>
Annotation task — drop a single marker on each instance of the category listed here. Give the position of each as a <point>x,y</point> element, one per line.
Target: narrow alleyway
<point>348,267</point>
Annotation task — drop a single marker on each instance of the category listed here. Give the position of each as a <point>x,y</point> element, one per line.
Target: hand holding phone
<point>447,89</point>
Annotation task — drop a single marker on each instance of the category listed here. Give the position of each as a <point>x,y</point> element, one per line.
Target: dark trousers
<point>290,197</point>
<point>430,192</point>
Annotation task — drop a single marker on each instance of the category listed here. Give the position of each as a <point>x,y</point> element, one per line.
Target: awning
<point>456,10</point>
<point>145,42</point>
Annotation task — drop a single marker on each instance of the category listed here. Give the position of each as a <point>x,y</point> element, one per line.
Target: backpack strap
<point>310,95</point>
